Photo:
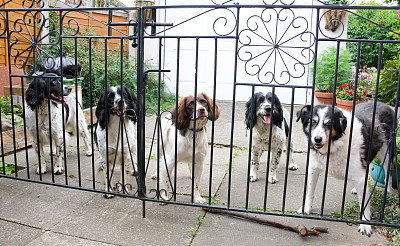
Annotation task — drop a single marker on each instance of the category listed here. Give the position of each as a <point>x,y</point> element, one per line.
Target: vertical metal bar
<point>395,131</point>
<point>196,67</point>
<point>25,135</point>
<point>159,119</point>
<point>288,150</point>
<point>269,152</point>
<point>91,114</point>
<point>312,109</point>
<point>62,111</point>
<point>251,111</point>
<point>50,129</point>
<point>12,101</point>
<point>106,106</point>
<point>351,132</point>
<point>76,113</point>
<point>122,116</point>
<point>233,107</point>
<point>213,117</point>
<point>141,110</point>
<point>178,50</point>
<point>330,128</point>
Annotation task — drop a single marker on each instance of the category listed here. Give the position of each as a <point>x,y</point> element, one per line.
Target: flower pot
<point>346,104</point>
<point>379,179</point>
<point>324,97</point>
<point>377,174</point>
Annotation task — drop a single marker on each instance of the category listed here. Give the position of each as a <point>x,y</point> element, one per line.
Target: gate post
<point>141,109</point>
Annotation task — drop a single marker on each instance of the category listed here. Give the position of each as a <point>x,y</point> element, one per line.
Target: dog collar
<point>197,130</point>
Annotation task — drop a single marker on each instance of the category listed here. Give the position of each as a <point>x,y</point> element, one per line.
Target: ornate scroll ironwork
<point>278,32</point>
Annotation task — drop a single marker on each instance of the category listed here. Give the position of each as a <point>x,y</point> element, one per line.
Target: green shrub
<point>359,28</point>
<point>98,69</point>
<point>389,79</point>
<point>325,74</point>
<point>5,105</point>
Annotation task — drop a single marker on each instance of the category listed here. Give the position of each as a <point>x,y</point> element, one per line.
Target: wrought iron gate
<point>268,47</point>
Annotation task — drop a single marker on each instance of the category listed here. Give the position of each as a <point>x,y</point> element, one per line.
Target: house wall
<point>225,73</point>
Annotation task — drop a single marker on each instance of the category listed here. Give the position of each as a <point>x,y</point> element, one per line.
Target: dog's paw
<point>89,153</point>
<point>365,229</point>
<point>272,180</point>
<point>253,178</point>
<point>58,170</point>
<point>42,171</point>
<point>108,196</point>
<point>200,200</point>
<point>293,167</point>
<point>306,210</point>
<point>354,191</point>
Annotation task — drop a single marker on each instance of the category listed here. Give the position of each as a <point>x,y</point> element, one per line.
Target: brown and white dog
<point>322,119</point>
<point>184,117</point>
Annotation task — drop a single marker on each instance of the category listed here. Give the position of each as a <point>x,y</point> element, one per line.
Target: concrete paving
<point>37,214</point>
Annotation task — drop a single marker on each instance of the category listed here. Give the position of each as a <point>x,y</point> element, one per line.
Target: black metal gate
<point>272,46</point>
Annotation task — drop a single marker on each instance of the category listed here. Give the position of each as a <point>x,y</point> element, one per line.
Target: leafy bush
<point>5,105</point>
<point>359,28</point>
<point>98,69</point>
<point>325,74</point>
<point>388,82</point>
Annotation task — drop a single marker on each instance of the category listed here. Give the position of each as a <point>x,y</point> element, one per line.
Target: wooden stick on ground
<point>300,229</point>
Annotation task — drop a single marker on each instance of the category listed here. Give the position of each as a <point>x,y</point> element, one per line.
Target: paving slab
<point>38,205</point>
<point>16,234</point>
<point>119,221</point>
<point>56,239</point>
<point>223,230</point>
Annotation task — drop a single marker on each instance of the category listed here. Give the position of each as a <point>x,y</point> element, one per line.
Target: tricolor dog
<point>325,120</point>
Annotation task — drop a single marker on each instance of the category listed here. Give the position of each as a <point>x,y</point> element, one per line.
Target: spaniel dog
<point>116,109</point>
<point>332,125</point>
<point>45,100</point>
<point>184,117</point>
<point>261,112</point>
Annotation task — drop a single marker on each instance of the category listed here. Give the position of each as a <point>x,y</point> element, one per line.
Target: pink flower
<point>398,13</point>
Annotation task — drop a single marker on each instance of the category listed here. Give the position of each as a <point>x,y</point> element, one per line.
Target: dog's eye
<point>190,104</point>
<point>313,122</point>
<point>202,101</point>
<point>328,123</point>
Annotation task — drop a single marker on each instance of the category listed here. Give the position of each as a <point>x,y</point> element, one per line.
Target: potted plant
<point>345,96</point>
<point>325,73</point>
<point>376,165</point>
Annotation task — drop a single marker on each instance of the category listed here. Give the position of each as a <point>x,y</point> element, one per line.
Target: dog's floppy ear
<point>131,102</point>
<point>36,92</point>
<point>339,122</point>
<point>250,114</point>
<point>101,112</point>
<point>180,115</point>
<point>210,107</point>
<point>278,112</point>
<point>302,113</point>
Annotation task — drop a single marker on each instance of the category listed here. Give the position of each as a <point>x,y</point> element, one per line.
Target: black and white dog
<point>259,116</point>
<point>114,103</point>
<point>45,91</point>
<point>322,121</point>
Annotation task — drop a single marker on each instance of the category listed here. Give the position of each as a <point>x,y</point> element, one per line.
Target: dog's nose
<point>69,89</point>
<point>317,139</point>
<point>202,110</point>
<point>268,109</point>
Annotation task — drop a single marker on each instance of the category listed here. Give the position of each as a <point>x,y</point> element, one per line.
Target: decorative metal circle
<point>268,42</point>
<point>25,39</point>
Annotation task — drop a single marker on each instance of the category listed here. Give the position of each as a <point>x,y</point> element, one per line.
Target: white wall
<point>225,72</point>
